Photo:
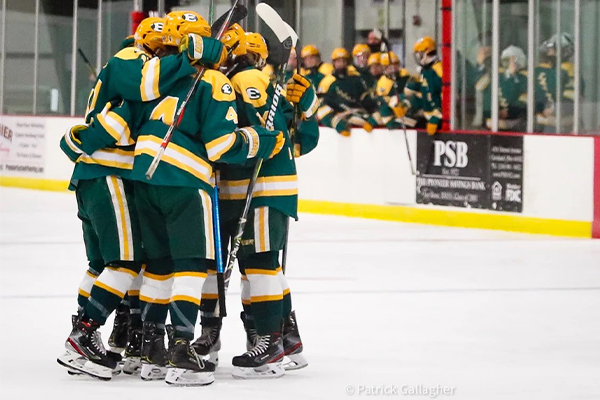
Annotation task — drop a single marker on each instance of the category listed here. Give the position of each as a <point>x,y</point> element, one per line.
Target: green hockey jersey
<point>277,184</point>
<point>207,133</point>
<point>129,75</point>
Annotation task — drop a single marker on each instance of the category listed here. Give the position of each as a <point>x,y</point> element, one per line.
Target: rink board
<point>368,175</point>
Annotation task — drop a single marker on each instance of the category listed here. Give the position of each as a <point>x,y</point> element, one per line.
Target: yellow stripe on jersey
<point>116,126</point>
<point>154,301</point>
<point>176,156</point>
<point>286,185</point>
<point>116,158</point>
<point>157,277</point>
<point>150,78</point>
<point>252,85</point>
<point>216,148</point>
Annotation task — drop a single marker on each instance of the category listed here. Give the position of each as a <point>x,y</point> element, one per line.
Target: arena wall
<point>369,175</point>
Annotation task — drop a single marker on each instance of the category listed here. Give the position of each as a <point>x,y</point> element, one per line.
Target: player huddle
<point>151,243</point>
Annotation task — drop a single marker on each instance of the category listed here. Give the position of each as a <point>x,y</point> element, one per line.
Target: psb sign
<point>450,154</point>
<point>470,170</point>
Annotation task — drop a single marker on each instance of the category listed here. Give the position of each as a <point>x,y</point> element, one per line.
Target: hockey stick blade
<point>292,33</point>
<point>239,13</point>
<point>273,21</point>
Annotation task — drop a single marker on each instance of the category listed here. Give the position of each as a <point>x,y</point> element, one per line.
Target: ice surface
<point>493,315</point>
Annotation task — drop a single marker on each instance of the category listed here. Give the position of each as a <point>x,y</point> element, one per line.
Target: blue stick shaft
<point>217,230</point>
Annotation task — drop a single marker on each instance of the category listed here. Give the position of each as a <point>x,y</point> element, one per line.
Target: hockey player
<point>429,85</point>
<point>348,101</point>
<point>104,193</point>
<point>512,93</point>
<point>314,68</point>
<point>375,67</point>
<point>395,77</point>
<point>361,54</point>
<point>175,206</point>
<point>266,296</point>
<point>547,81</point>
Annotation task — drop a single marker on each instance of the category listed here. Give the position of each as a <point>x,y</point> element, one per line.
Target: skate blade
<point>267,371</point>
<point>151,372</point>
<point>187,377</point>
<point>213,357</point>
<point>118,350</point>
<point>68,359</point>
<point>132,365</point>
<point>294,362</point>
<point>89,368</point>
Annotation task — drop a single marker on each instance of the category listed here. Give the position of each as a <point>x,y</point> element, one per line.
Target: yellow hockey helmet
<point>180,23</point>
<point>255,44</point>
<point>234,39</point>
<point>389,58</point>
<point>310,50</point>
<point>374,58</point>
<point>423,49</point>
<point>359,49</point>
<point>149,34</point>
<point>425,45</point>
<point>339,52</point>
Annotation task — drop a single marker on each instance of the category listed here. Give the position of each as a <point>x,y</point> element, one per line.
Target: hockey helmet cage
<point>234,39</point>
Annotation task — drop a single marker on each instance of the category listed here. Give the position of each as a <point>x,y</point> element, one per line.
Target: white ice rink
<point>492,315</point>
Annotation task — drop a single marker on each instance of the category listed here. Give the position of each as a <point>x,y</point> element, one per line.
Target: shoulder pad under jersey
<point>325,83</point>
<point>222,89</point>
<point>132,53</point>
<point>252,85</point>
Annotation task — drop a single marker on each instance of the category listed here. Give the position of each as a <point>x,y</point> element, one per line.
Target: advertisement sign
<point>472,171</point>
<point>22,146</point>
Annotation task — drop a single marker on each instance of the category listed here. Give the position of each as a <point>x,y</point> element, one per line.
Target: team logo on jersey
<point>226,88</point>
<point>157,26</point>
<point>189,17</point>
<point>253,93</point>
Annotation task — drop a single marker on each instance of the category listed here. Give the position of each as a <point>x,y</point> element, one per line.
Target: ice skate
<point>153,353</point>
<point>209,343</point>
<point>292,345</point>
<point>251,334</point>
<point>133,352</point>
<point>85,352</point>
<point>186,367</point>
<point>117,341</point>
<point>262,361</point>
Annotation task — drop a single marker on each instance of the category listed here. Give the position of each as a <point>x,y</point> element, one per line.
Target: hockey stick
<point>211,12</point>
<point>89,64</point>
<point>218,251</point>
<point>294,128</point>
<point>277,26</point>
<point>385,42</point>
<point>235,14</point>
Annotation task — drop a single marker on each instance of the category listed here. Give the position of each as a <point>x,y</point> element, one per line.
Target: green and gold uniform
<point>512,100</point>
<point>429,86</point>
<point>265,293</point>
<point>175,206</point>
<point>349,102</point>
<point>546,81</point>
<point>105,200</point>
<point>316,74</point>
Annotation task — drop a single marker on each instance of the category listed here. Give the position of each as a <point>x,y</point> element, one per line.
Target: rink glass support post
<point>495,61</point>
<point>74,59</point>
<point>448,60</point>
<point>577,71</point>
<point>530,65</point>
